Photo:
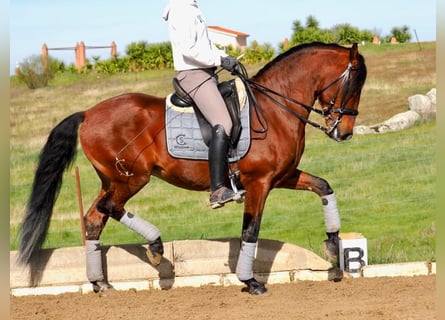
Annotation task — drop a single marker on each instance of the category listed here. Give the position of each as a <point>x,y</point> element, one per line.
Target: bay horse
<point>124,139</point>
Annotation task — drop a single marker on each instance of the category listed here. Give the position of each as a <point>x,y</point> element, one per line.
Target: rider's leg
<point>219,144</point>
<point>202,87</point>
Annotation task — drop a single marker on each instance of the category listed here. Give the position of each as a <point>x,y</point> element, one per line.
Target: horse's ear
<point>353,54</point>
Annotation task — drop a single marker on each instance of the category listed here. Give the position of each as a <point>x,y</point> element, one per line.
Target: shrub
<point>112,66</point>
<point>144,56</point>
<point>35,72</point>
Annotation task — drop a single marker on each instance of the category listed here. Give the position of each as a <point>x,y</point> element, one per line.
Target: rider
<point>196,58</point>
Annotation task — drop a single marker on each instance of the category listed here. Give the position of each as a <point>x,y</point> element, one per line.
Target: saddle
<point>229,92</point>
<point>188,133</point>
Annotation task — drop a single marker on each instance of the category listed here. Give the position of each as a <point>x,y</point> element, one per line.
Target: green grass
<point>385,183</point>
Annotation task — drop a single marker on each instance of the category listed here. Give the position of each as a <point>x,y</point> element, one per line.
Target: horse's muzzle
<point>337,136</point>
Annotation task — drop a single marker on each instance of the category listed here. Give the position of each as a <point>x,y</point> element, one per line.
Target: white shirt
<point>191,45</point>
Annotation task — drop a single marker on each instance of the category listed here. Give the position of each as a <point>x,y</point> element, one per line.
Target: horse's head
<point>340,98</point>
<point>332,74</point>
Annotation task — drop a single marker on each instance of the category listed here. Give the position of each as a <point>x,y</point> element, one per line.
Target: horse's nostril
<point>339,137</point>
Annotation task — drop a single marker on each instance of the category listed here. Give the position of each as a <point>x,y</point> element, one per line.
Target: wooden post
<point>17,71</point>
<point>76,51</point>
<point>79,200</point>
<point>44,56</point>
<point>44,51</point>
<point>285,44</point>
<point>113,50</point>
<point>82,55</point>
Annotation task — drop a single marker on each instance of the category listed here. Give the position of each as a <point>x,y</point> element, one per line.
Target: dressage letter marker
<point>353,253</point>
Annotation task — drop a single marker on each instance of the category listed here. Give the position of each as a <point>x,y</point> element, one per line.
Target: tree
<point>311,22</point>
<point>346,34</point>
<point>343,34</point>
<point>297,27</point>
<point>367,35</point>
<point>310,33</point>
<point>257,53</point>
<point>401,34</point>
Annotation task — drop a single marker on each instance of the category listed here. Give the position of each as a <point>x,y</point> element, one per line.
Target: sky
<point>99,22</point>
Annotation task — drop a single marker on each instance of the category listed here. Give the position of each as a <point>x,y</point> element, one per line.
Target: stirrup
<point>239,193</point>
<point>234,177</point>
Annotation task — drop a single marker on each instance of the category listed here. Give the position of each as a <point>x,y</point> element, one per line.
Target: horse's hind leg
<point>149,232</point>
<point>111,204</point>
<point>94,224</point>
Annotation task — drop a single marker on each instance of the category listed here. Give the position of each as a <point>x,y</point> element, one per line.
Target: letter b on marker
<point>353,259</point>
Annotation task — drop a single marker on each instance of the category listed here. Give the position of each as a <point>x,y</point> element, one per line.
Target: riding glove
<point>230,64</point>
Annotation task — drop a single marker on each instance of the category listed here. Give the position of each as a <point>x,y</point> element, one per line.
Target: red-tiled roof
<point>229,31</point>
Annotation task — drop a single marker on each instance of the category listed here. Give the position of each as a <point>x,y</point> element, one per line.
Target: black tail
<point>57,155</point>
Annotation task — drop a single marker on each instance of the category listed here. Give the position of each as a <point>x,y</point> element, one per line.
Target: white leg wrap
<point>244,267</point>
<point>142,227</point>
<point>94,260</point>
<point>331,215</point>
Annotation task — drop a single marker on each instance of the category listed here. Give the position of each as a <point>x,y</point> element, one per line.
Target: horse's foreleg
<point>301,180</point>
<point>249,241</point>
<point>332,224</point>
<point>306,181</point>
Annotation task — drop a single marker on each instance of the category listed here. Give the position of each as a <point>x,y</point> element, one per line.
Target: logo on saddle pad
<point>184,137</point>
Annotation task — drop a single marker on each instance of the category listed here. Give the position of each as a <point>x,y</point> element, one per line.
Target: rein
<point>344,79</point>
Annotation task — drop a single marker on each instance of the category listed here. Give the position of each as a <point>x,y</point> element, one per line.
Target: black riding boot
<point>218,148</point>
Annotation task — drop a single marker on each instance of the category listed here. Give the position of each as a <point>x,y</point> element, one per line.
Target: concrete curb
<point>188,263</point>
<point>422,268</point>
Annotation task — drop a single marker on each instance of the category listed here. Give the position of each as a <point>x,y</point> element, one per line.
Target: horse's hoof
<point>336,274</point>
<point>154,258</point>
<point>155,251</point>
<point>101,287</point>
<point>331,250</point>
<point>254,287</point>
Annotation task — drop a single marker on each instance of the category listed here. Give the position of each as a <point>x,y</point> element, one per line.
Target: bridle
<point>344,86</point>
<point>344,79</point>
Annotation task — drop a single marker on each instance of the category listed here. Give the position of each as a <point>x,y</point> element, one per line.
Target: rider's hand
<point>230,64</point>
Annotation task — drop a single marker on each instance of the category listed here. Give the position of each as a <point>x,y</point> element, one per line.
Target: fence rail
<point>80,52</point>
